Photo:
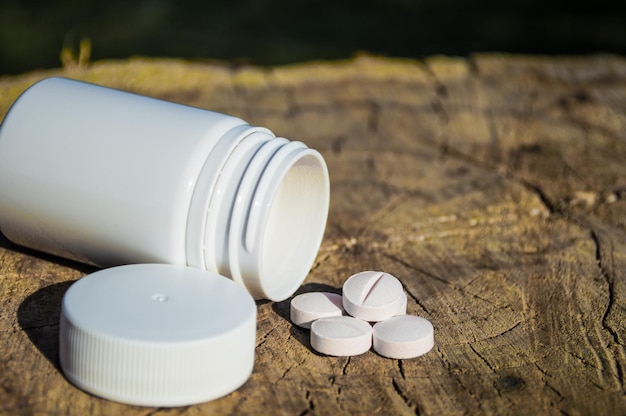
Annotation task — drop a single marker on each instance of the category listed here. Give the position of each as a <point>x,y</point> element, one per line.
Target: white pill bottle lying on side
<point>108,177</point>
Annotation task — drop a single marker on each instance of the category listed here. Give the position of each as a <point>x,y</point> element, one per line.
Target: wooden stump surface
<point>493,187</point>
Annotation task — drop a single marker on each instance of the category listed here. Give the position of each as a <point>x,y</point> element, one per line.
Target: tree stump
<point>493,187</point>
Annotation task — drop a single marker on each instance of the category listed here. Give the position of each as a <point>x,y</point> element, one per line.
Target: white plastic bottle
<point>108,177</point>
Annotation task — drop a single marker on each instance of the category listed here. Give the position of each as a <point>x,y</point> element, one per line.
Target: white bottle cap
<point>157,335</point>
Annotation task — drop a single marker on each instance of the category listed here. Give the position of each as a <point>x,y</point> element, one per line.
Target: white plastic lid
<point>157,335</point>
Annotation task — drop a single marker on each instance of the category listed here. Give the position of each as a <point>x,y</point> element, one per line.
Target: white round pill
<point>308,307</point>
<point>403,337</point>
<point>373,296</point>
<point>341,336</point>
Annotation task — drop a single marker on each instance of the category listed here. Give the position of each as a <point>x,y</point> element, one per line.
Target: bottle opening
<point>295,226</point>
<point>264,216</point>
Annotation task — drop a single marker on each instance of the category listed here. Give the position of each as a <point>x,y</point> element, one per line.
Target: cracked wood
<point>493,187</point>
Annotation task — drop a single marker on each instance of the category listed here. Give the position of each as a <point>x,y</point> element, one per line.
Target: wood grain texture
<point>495,189</point>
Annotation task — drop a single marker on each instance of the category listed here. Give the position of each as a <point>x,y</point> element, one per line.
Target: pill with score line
<point>374,296</point>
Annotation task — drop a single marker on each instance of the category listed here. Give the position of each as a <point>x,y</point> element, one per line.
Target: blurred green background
<point>272,32</point>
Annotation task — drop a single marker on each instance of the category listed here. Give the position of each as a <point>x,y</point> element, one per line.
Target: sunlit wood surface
<point>493,187</point>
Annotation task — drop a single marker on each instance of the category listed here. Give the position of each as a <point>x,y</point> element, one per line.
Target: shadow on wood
<point>38,316</point>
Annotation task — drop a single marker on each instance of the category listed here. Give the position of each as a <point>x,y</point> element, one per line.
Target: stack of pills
<point>368,297</point>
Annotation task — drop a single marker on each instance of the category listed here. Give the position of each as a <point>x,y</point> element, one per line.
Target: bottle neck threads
<point>258,211</point>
